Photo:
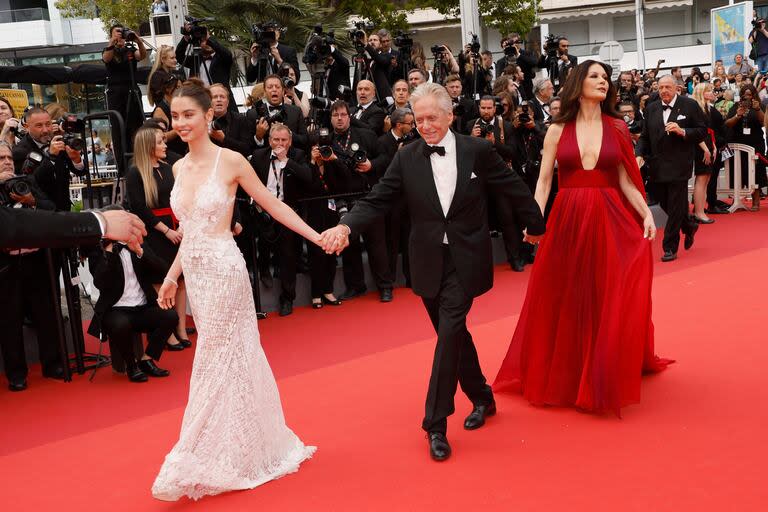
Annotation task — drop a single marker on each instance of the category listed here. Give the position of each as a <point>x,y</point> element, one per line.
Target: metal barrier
<point>737,187</point>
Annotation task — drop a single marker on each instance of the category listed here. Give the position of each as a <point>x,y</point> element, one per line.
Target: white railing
<point>737,189</point>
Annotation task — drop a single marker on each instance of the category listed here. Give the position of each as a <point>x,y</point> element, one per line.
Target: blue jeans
<point>762,63</point>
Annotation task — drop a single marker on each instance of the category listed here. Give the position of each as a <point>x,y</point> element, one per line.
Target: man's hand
<point>640,161</point>
<point>124,227</point>
<point>281,152</point>
<point>218,135</point>
<point>335,240</point>
<point>276,55</point>
<point>531,239</point>
<point>57,145</point>
<point>26,199</point>
<point>237,229</point>
<point>262,127</point>
<point>564,58</point>
<point>364,166</point>
<point>254,50</point>
<point>476,130</point>
<point>73,154</point>
<point>491,137</point>
<point>674,128</point>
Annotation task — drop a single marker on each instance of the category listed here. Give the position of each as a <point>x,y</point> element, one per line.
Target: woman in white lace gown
<point>233,435</point>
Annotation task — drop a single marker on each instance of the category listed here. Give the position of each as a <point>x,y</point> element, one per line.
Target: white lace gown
<point>233,435</point>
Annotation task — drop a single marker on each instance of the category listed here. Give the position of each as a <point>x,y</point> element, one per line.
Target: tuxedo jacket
<point>338,75</point>
<point>471,111</point>
<point>297,177</point>
<point>294,119</point>
<point>670,157</point>
<point>107,270</point>
<point>219,66</point>
<point>480,172</point>
<point>238,133</point>
<point>506,149</point>
<point>21,227</point>
<point>381,70</point>
<point>287,53</point>
<point>52,175</point>
<point>372,118</point>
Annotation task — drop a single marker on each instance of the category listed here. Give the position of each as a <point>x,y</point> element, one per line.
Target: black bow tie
<point>428,150</point>
<point>664,106</point>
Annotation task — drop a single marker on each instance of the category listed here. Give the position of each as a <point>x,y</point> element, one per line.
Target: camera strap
<point>278,176</point>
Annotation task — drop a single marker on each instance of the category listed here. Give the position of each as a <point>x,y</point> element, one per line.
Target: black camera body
<point>757,22</point>
<point>197,32</point>
<point>404,41</point>
<point>128,34</point>
<point>474,45</point>
<point>19,185</point>
<point>357,34</point>
<point>459,110</point>
<point>265,34</point>
<point>278,116</point>
<point>524,117</point>
<point>438,50</point>
<point>486,128</point>
<point>410,136</point>
<point>324,142</point>
<point>318,46</point>
<point>552,44</point>
<point>633,125</point>
<point>73,127</point>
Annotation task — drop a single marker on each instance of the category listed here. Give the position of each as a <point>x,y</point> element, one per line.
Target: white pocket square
<point>680,117</point>
<point>473,176</point>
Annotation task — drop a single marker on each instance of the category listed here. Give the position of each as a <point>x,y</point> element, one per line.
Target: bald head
<point>366,92</point>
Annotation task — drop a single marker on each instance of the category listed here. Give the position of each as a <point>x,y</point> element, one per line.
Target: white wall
<point>576,31</point>
<point>26,33</point>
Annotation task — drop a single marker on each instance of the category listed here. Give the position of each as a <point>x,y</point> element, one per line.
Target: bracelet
<point>171,280</point>
<point>167,229</point>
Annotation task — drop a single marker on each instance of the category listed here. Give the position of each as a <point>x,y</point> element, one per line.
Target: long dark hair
<point>571,92</point>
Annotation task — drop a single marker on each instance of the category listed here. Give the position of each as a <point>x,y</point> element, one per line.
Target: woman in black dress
<point>745,121</point>
<point>707,155</point>
<point>149,182</point>
<point>162,86</point>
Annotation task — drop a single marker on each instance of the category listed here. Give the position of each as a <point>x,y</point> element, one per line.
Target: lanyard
<point>277,176</point>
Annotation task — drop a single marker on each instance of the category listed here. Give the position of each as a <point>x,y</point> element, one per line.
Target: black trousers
<point>121,324</point>
<point>285,250</point>
<point>398,229</point>
<point>673,199</point>
<point>322,266</point>
<point>455,360</point>
<point>25,286</point>
<point>375,240</point>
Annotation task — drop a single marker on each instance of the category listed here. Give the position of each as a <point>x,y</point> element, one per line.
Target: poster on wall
<point>730,32</point>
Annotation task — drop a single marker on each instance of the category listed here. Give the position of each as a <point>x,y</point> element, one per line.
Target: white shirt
<point>201,74</point>
<point>362,108</point>
<point>133,295</point>
<point>544,108</point>
<point>445,173</point>
<point>274,181</point>
<point>667,112</point>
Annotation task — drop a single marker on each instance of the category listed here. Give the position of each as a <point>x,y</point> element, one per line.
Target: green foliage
<point>130,13</point>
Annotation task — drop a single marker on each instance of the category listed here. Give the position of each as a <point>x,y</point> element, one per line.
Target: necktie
<point>428,150</point>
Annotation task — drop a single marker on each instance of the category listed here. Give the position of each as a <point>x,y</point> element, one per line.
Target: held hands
<point>649,227</point>
<point>57,145</point>
<point>334,240</point>
<point>26,199</point>
<point>531,239</point>
<point>166,296</point>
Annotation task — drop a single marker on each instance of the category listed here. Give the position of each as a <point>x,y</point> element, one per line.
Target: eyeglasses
<point>340,114</point>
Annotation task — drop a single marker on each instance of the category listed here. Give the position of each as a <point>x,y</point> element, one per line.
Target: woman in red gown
<point>585,334</point>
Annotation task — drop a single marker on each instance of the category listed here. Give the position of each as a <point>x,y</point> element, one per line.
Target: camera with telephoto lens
<point>459,110</point>
<point>324,142</point>
<point>318,46</point>
<point>197,32</point>
<point>321,103</point>
<point>288,82</point>
<point>19,185</point>
<point>357,34</point>
<point>757,22</point>
<point>128,34</point>
<point>216,125</point>
<point>72,127</point>
<point>510,50</point>
<point>524,117</point>
<point>474,45</point>
<point>404,42</point>
<point>18,131</point>
<point>277,116</point>
<point>265,34</point>
<point>438,50</point>
<point>551,45</point>
<point>485,128</point>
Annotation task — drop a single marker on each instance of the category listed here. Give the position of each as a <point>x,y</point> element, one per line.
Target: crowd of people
<point>321,155</point>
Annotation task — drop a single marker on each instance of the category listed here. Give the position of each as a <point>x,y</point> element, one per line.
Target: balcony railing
<point>651,43</point>
<point>162,23</point>
<point>18,15</point>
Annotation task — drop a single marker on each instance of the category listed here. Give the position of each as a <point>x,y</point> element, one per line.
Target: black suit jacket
<point>372,118</point>
<point>107,270</point>
<point>287,53</point>
<point>35,228</point>
<point>238,133</point>
<point>381,69</point>
<point>344,180</point>
<point>52,175</point>
<point>506,149</point>
<point>338,74</point>
<point>670,157</point>
<point>294,119</point>
<point>219,66</point>
<point>297,177</point>
<point>480,172</point>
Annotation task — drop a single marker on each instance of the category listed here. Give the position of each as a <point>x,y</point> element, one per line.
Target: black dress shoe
<point>174,348</point>
<point>517,264</point>
<point>476,418</point>
<point>286,308</point>
<point>17,384</point>
<point>149,367</point>
<point>699,220</point>
<point>54,372</point>
<point>352,293</point>
<point>688,242</point>
<point>439,449</point>
<point>136,375</point>
<point>184,342</point>
<point>669,256</point>
<point>385,295</point>
<point>329,302</point>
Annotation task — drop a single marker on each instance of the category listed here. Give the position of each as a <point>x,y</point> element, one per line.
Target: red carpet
<point>352,381</point>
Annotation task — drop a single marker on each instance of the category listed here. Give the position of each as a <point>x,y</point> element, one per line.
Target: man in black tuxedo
<point>229,129</point>
<point>214,65</point>
<point>464,109</point>
<point>351,177</point>
<point>367,114</point>
<point>515,54</point>
<point>543,92</point>
<point>381,69</point>
<point>445,179</point>
<point>673,128</point>
<point>128,306</point>
<point>273,108</point>
<point>559,64</point>
<point>278,53</point>
<point>284,172</point>
<point>336,74</point>
<point>52,175</point>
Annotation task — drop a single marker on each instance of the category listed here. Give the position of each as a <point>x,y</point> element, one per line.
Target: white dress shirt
<point>275,178</point>
<point>667,112</point>
<point>445,173</point>
<point>362,109</point>
<point>133,295</point>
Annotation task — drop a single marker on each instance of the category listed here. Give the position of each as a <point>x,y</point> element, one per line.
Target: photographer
<point>491,127</point>
<point>283,170</point>
<point>380,66</point>
<point>401,94</point>
<point>125,50</point>
<point>229,129</point>
<point>367,114</point>
<point>336,74</point>
<point>445,64</point>
<point>346,159</point>
<point>627,111</point>
<point>213,63</point>
<point>416,77</point>
<point>10,127</point>
<point>626,89</point>
<point>293,96</point>
<point>271,109</point>
<point>464,109</point>
<point>758,38</point>
<point>25,285</point>
<point>556,60</point>
<point>745,122</point>
<point>476,77</point>
<point>53,172</point>
<point>278,53</point>
<point>740,67</point>
<point>514,54</point>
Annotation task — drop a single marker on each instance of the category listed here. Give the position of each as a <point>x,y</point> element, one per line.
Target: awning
<point>554,15</point>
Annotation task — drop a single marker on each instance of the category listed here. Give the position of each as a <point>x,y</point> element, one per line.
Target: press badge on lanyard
<point>747,131</point>
<point>332,205</point>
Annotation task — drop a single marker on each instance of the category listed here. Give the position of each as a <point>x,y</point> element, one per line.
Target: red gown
<point>585,334</point>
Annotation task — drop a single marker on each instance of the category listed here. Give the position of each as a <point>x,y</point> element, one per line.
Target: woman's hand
<point>166,297</point>
<point>173,236</point>
<point>649,227</point>
<point>755,104</point>
<point>531,239</point>
<point>707,156</point>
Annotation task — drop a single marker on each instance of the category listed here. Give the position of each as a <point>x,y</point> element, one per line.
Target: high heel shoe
<point>184,342</point>
<point>317,303</point>
<point>174,348</point>
<point>326,300</point>
<point>699,220</point>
